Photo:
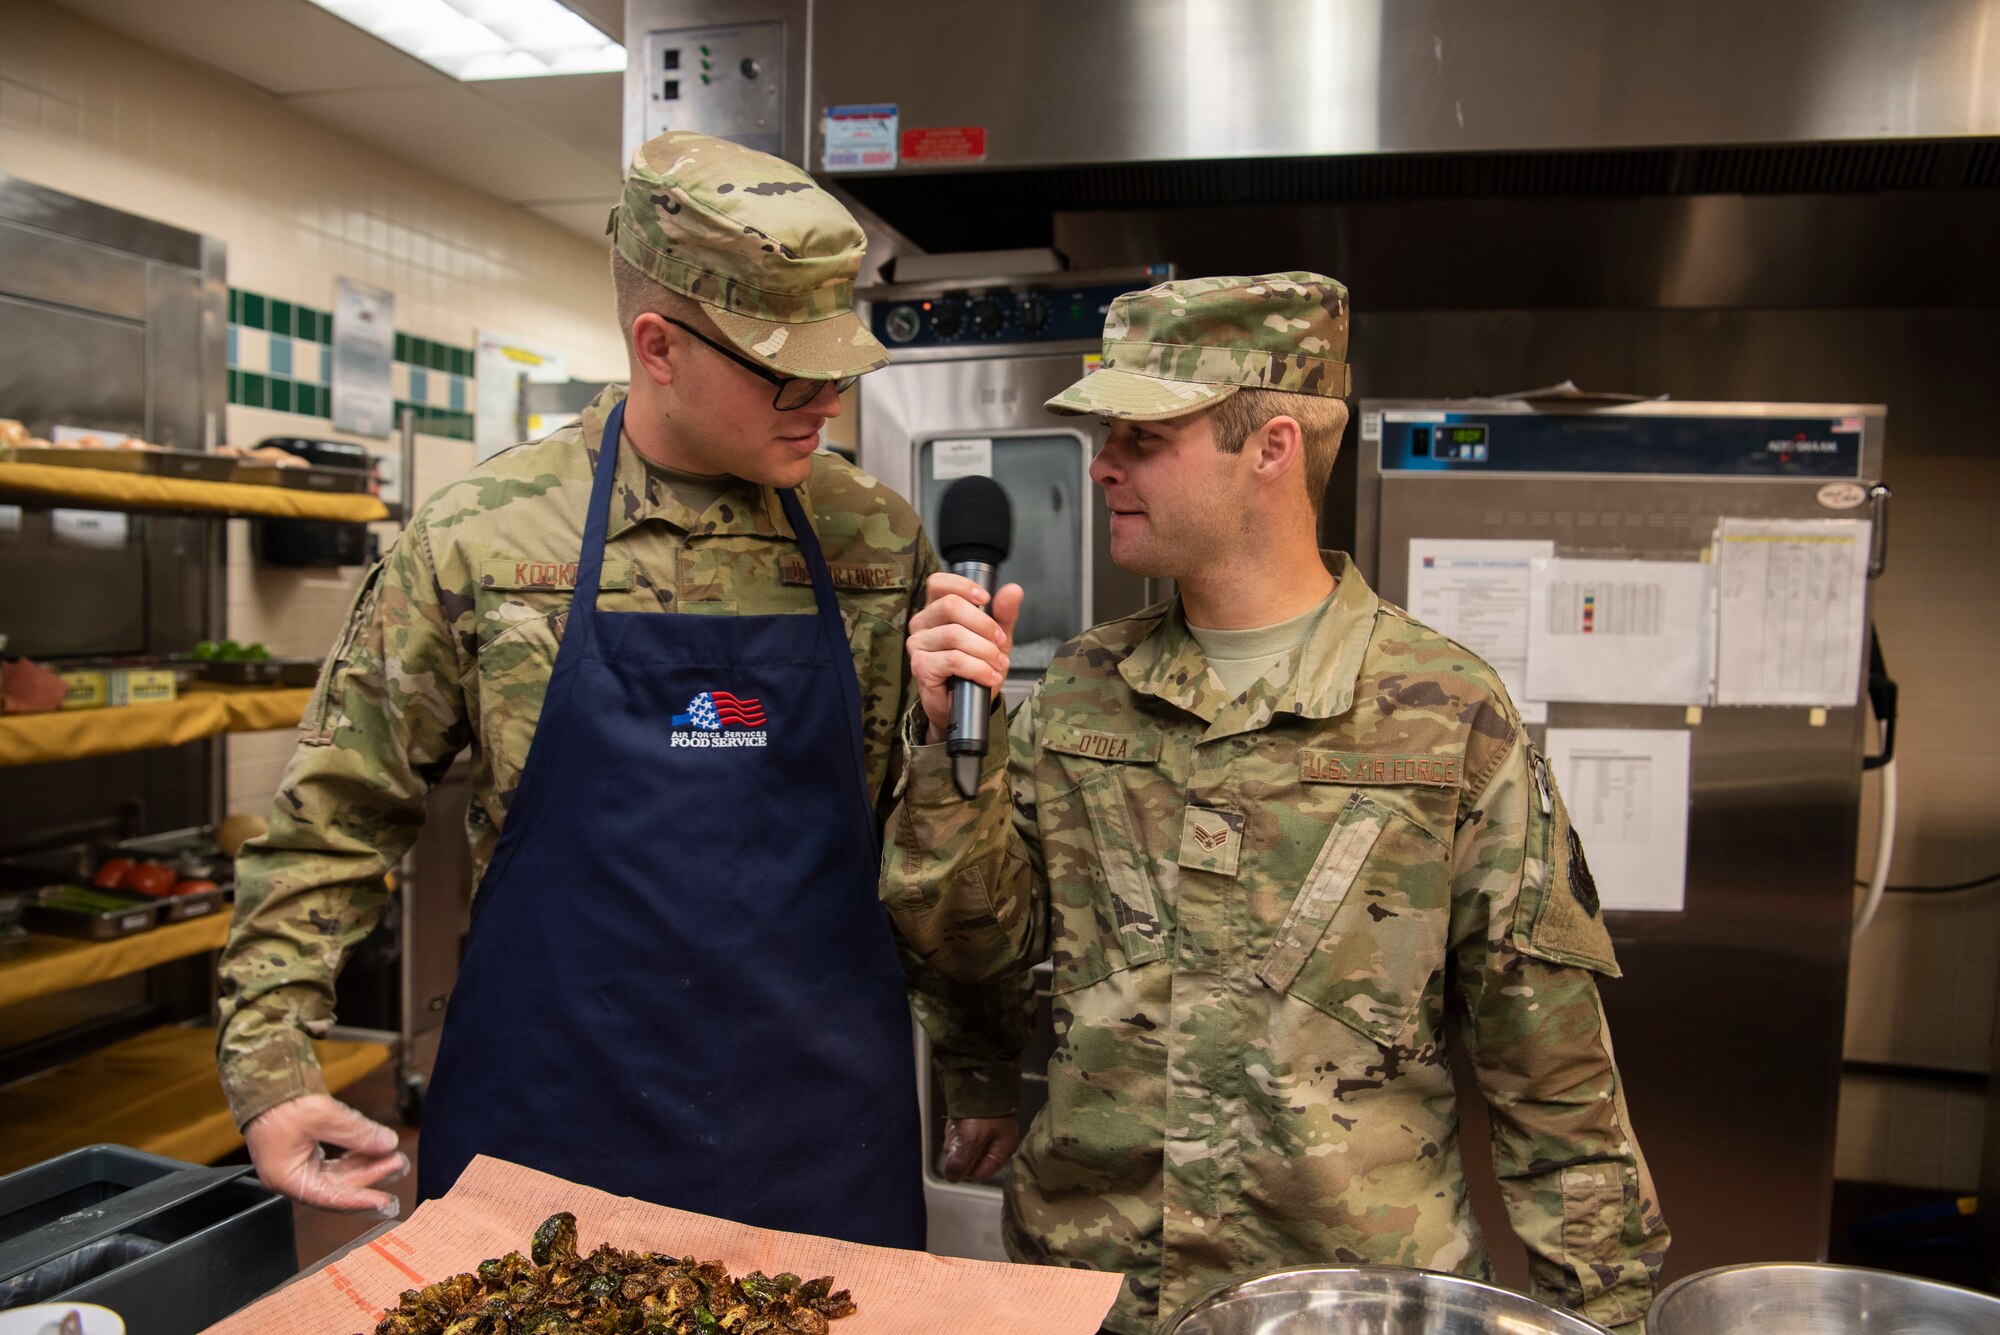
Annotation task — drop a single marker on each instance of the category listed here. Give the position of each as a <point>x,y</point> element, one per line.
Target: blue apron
<point>680,984</point>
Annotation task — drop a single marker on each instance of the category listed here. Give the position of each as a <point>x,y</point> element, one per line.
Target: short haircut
<point>637,294</point>
<point>1321,421</point>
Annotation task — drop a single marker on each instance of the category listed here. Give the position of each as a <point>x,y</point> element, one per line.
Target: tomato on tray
<point>112,874</point>
<point>193,887</point>
<point>151,878</point>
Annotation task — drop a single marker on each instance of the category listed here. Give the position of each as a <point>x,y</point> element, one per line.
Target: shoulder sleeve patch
<point>1560,917</point>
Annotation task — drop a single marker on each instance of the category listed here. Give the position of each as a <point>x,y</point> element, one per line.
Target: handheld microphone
<point>975,528</point>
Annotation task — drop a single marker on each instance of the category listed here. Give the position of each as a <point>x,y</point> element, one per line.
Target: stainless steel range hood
<point>1058,83</point>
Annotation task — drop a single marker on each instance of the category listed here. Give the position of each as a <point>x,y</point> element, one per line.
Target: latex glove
<point>288,1146</point>
<point>977,1147</point>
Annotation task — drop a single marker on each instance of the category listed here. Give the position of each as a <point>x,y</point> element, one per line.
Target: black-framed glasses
<point>793,391</point>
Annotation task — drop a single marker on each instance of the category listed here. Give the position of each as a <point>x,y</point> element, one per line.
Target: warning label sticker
<point>957,145</point>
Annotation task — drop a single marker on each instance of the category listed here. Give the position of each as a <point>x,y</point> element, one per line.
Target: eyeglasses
<point>794,391</point>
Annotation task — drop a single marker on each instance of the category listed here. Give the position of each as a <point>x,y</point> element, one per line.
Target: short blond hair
<point>638,295</point>
<point>1321,421</point>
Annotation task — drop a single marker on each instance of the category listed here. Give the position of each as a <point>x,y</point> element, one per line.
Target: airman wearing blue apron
<point>672,637</point>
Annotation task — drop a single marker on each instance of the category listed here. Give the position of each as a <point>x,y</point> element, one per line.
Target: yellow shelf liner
<point>38,739</point>
<point>46,965</point>
<point>157,1091</point>
<point>104,489</point>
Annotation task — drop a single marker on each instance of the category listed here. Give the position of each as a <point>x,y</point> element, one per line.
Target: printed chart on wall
<point>1627,794</point>
<point>1793,597</point>
<point>500,362</point>
<point>1619,632</point>
<point>1476,591</point>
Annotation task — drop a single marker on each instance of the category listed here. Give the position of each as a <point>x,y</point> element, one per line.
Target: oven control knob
<point>946,320</point>
<point>902,324</point>
<point>1034,315</point>
<point>986,317</point>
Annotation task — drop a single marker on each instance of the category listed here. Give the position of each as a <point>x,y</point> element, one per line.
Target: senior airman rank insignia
<point>1211,838</point>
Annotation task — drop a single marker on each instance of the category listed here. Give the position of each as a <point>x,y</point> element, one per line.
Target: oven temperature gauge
<point>903,324</point>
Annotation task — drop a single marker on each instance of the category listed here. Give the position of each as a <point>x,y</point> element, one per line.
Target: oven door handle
<point>1878,538</point>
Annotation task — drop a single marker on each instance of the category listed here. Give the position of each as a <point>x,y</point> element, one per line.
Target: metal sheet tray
<point>311,478</point>
<point>258,672</point>
<point>141,916</point>
<point>179,908</point>
<point>195,464</point>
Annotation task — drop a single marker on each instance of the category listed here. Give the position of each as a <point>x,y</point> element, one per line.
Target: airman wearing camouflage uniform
<point>453,636</point>
<point>1260,905</point>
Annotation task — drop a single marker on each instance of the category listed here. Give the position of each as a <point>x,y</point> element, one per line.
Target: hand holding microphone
<point>960,642</point>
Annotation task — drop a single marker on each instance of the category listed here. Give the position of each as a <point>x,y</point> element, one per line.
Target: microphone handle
<point>971,704</point>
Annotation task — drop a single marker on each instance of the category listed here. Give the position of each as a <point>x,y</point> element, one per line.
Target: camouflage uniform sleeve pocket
<point>1106,916</point>
<point>1559,918</point>
<point>1366,936</point>
<point>323,712</point>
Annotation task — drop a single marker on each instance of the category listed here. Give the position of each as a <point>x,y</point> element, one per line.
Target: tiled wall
<point>95,114</point>
<point>281,357</point>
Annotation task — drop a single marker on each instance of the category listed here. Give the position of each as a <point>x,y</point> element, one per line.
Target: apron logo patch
<point>717,718</point>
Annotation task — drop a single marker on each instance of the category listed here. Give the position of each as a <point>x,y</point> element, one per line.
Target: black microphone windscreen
<point>975,522</point>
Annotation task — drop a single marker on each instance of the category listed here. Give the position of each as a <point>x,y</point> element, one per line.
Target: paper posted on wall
<point>1476,591</point>
<point>1627,794</point>
<point>1792,597</point>
<point>1619,632</point>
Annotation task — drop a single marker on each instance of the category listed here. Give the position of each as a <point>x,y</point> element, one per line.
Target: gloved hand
<point>977,1147</point>
<point>286,1145</point>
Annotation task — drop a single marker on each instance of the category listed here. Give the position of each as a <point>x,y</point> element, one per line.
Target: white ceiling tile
<point>281,46</point>
<point>465,138</point>
<point>582,110</point>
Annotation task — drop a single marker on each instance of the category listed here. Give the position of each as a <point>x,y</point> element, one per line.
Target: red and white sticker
<point>956,146</point>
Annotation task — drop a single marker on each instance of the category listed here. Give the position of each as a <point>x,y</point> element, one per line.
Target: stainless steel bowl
<point>1818,1300</point>
<point>1371,1300</point>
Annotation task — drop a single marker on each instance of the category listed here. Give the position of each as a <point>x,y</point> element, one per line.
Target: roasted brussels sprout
<point>556,1291</point>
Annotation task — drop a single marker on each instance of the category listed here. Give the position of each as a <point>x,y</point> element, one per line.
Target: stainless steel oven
<point>974,361</point>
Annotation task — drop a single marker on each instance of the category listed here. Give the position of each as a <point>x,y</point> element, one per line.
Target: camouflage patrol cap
<point>1187,345</point>
<point>769,254</point>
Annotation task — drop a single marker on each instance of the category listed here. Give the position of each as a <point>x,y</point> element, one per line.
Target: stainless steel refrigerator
<point>1728,1020</point>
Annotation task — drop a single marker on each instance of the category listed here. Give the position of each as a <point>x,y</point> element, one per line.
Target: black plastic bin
<point>171,1247</point>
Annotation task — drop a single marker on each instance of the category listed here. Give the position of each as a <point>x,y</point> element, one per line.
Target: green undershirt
<point>1240,657</point>
<point>697,491</point>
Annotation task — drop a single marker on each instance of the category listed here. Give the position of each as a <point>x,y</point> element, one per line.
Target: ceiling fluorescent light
<point>486,39</point>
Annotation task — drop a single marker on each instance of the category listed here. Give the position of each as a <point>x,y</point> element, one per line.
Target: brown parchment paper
<point>496,1205</point>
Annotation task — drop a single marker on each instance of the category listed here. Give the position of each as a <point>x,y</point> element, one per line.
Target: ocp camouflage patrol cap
<point>1189,344</point>
<point>769,254</point>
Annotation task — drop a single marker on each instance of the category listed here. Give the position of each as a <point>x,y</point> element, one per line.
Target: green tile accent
<point>235,305</point>
<point>322,330</point>
<point>402,347</point>
<point>440,357</point>
<point>281,394</point>
<point>304,400</point>
<point>236,387</point>
<point>253,311</point>
<point>281,317</point>
<point>253,389</point>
